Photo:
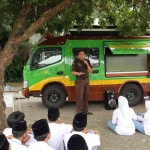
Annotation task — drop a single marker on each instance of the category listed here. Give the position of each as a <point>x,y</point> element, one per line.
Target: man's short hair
<point>42,137</point>
<point>18,134</point>
<point>81,51</point>
<point>15,116</point>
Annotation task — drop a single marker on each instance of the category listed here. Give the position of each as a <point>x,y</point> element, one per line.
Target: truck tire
<point>54,96</point>
<point>133,93</point>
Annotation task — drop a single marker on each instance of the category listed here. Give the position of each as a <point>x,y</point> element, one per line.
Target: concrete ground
<point>34,110</point>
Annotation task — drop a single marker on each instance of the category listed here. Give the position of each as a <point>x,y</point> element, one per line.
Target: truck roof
<point>61,40</point>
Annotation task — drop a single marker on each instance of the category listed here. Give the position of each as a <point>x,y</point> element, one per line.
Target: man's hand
<point>26,138</point>
<point>10,136</point>
<point>86,62</point>
<point>97,132</point>
<point>80,73</point>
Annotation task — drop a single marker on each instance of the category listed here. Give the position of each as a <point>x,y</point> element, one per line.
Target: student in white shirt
<point>122,119</point>
<point>41,133</point>
<point>77,142</point>
<point>58,130</point>
<point>4,144</point>
<point>17,116</point>
<point>79,127</point>
<point>142,124</point>
<point>19,130</point>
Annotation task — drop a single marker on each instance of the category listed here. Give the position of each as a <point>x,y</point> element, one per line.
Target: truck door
<point>47,65</point>
<point>92,50</point>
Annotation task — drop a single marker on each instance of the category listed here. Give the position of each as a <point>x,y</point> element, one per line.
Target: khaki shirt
<point>79,66</point>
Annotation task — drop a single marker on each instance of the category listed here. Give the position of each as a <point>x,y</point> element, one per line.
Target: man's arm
<point>89,67</point>
<point>77,73</point>
<point>74,72</point>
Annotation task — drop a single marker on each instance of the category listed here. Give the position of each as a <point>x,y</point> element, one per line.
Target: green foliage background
<point>14,72</point>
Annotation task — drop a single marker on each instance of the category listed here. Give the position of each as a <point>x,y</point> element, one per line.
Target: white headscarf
<point>123,106</point>
<point>147,105</point>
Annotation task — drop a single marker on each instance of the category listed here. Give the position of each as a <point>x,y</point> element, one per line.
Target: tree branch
<point>144,5</point>
<point>47,15</point>
<point>19,25</point>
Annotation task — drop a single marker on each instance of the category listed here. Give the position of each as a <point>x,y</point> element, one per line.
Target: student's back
<point>79,127</point>
<point>122,122</point>
<point>57,133</point>
<point>41,133</point>
<point>57,130</point>
<point>15,116</point>
<point>125,125</point>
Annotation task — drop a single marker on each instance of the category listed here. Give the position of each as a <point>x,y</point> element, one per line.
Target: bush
<point>14,72</point>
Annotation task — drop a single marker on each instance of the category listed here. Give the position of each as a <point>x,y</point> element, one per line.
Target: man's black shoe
<point>89,113</point>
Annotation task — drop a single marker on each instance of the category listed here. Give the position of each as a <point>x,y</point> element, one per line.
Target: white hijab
<point>147,105</point>
<point>123,106</point>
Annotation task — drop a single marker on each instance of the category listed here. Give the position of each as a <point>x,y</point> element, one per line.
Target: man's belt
<point>82,78</point>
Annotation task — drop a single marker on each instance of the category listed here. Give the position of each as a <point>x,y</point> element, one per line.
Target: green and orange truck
<point>120,64</point>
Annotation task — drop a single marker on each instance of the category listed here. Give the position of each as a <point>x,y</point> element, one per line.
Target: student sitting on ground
<point>143,123</point>
<point>4,144</point>
<point>122,122</point>
<point>19,131</point>
<point>17,116</point>
<point>77,142</point>
<point>41,133</point>
<point>92,138</point>
<point>58,130</point>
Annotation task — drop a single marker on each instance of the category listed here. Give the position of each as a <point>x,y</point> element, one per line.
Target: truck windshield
<point>46,56</point>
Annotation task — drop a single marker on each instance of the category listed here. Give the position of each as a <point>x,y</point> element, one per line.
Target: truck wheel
<point>133,93</point>
<point>54,96</point>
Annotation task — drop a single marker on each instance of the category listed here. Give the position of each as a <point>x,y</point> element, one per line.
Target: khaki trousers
<point>82,92</point>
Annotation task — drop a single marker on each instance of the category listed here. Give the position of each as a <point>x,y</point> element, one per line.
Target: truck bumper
<point>25,92</point>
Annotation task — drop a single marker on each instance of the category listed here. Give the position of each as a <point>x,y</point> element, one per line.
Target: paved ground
<point>34,110</point>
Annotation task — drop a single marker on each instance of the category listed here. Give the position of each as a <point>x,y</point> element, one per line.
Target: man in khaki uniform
<point>81,68</point>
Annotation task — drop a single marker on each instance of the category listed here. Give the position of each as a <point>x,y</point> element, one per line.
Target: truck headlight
<point>25,84</point>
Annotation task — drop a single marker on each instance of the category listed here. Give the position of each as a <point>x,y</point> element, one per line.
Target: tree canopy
<point>130,16</point>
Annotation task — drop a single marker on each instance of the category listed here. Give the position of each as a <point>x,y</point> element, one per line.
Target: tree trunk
<point>3,123</point>
<point>6,56</point>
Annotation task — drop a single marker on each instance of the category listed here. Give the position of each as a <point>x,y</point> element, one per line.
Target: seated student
<point>77,142</point>
<point>4,144</point>
<point>79,127</point>
<point>57,130</point>
<point>122,122</point>
<point>143,123</point>
<point>17,116</point>
<point>41,133</point>
<point>19,131</point>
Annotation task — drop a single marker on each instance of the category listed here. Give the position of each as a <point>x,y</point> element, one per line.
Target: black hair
<point>42,137</point>
<point>81,50</point>
<point>53,118</point>
<point>15,116</point>
<point>78,129</point>
<point>18,134</point>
